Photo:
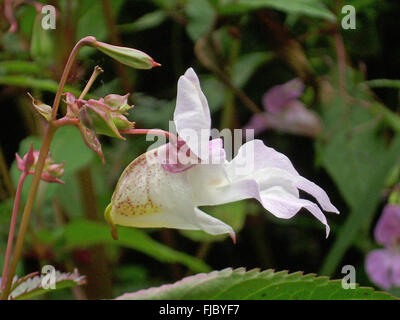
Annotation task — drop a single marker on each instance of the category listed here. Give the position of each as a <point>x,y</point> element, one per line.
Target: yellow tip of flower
<point>109,220</point>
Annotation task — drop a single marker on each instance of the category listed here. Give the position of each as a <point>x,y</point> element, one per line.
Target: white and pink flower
<point>154,193</point>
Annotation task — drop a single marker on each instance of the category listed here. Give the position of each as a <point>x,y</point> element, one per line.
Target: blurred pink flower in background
<point>283,112</point>
<point>383,265</point>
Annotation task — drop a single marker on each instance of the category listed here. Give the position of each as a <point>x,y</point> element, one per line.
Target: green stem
<point>96,72</point>
<point>13,221</point>
<point>48,136</point>
<point>85,41</point>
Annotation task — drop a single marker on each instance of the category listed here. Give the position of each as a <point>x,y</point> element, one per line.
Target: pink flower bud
<point>51,170</point>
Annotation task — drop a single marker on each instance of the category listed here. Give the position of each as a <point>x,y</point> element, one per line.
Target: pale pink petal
<point>295,118</point>
<point>279,96</point>
<point>387,229</point>
<point>317,192</point>
<point>257,155</point>
<point>383,268</point>
<point>192,114</point>
<point>217,153</point>
<point>212,225</point>
<point>270,178</point>
<point>285,205</point>
<point>258,123</point>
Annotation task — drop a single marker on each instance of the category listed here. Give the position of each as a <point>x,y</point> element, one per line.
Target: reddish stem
<point>65,121</point>
<point>171,137</point>
<point>12,230</point>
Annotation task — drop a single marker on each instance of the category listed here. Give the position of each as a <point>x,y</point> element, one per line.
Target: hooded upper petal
<point>192,114</point>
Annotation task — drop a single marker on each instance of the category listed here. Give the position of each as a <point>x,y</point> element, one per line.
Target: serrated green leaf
<point>237,284</point>
<point>32,287</point>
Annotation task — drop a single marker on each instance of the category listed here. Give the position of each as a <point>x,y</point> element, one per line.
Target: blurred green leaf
<point>151,112</point>
<point>147,21</point>
<point>42,42</point>
<point>201,17</point>
<point>92,22</point>
<point>26,81</point>
<point>20,66</point>
<point>86,233</point>
<point>214,90</point>
<point>359,160</point>
<point>311,8</point>
<point>383,83</point>
<point>247,64</point>
<point>237,284</point>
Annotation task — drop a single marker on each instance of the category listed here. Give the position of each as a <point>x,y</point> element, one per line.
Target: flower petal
<point>269,177</point>
<point>212,225</point>
<point>317,192</point>
<point>294,118</point>
<point>150,197</point>
<point>258,123</point>
<point>383,268</point>
<point>279,96</point>
<point>387,229</point>
<point>285,205</point>
<point>192,114</point>
<point>256,155</point>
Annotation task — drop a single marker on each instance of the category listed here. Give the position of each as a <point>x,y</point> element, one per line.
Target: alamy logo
<point>349,280</point>
<point>49,18</point>
<point>349,20</point>
<point>48,277</point>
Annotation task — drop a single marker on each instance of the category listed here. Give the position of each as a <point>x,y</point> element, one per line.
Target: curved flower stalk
<point>105,117</point>
<point>383,265</point>
<point>285,113</point>
<point>155,192</point>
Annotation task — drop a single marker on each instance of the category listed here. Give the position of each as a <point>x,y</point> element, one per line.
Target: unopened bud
<point>42,108</point>
<point>128,56</point>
